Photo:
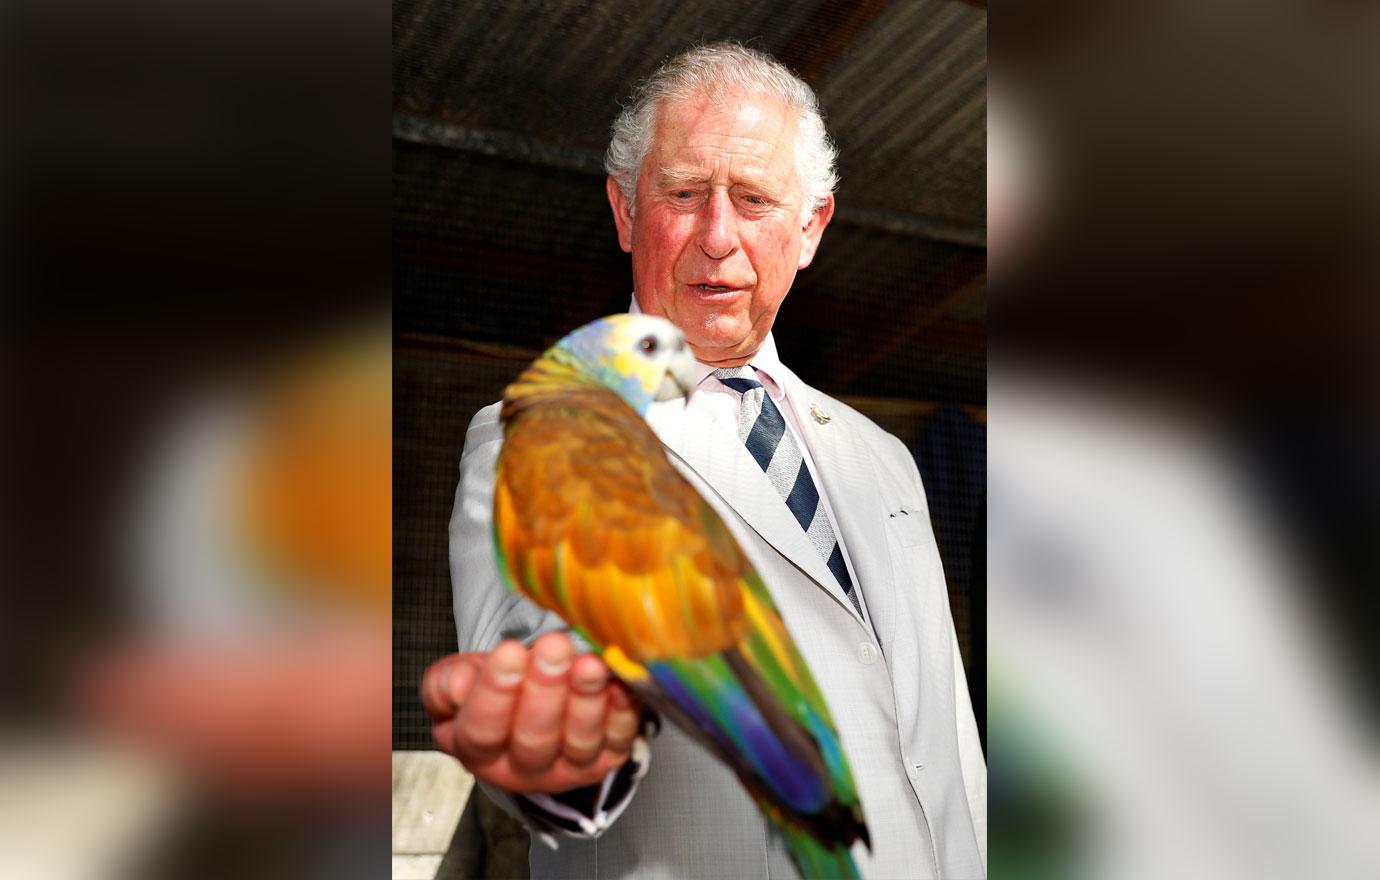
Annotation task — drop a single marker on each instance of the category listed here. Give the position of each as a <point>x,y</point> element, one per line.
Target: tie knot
<point>741,379</point>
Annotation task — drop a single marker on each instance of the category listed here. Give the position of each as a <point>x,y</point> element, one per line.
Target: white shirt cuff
<point>588,812</point>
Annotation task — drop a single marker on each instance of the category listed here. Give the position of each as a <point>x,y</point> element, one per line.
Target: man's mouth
<point>713,288</point>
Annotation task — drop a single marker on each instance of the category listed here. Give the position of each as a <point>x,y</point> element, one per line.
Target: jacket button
<point>867,655</point>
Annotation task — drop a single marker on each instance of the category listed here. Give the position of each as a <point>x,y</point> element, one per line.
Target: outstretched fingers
<point>486,717</point>
<point>531,720</point>
<point>624,721</point>
<point>586,711</point>
<point>537,722</point>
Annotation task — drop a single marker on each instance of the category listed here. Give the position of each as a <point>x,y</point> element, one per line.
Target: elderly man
<point>720,180</point>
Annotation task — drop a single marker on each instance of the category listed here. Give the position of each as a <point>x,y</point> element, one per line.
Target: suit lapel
<point>709,445</point>
<point>843,465</point>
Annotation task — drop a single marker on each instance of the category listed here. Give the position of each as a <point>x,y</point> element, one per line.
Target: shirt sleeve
<point>486,613</point>
<point>585,812</point>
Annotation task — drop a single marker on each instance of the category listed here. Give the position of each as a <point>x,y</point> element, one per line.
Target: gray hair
<point>719,66</point>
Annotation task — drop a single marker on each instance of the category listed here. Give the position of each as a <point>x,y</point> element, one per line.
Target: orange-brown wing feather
<point>594,523</point>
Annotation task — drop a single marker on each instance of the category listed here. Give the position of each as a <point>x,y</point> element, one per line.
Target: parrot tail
<point>816,861</point>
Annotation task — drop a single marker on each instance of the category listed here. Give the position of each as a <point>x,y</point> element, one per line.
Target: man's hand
<point>539,720</point>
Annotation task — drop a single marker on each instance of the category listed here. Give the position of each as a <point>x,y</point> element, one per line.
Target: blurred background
<point>503,242</point>
<point>195,440</point>
<point>1184,460</point>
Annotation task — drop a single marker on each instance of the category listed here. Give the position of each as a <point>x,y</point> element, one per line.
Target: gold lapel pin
<point>818,414</point>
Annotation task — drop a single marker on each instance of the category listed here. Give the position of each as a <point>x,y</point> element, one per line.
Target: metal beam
<point>500,144</point>
<point>822,39</point>
<point>915,225</point>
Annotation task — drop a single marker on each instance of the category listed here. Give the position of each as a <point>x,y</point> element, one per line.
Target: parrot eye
<point>648,344</point>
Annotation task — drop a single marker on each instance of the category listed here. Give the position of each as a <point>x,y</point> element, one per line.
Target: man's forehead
<point>757,129</point>
<point>743,107</point>
<point>740,108</point>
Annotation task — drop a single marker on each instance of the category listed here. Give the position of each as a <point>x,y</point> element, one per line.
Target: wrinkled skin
<point>529,720</point>
<point>719,203</point>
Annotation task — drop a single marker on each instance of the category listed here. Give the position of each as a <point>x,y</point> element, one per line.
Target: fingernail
<point>590,684</point>
<point>552,655</point>
<point>508,670</point>
<point>554,670</point>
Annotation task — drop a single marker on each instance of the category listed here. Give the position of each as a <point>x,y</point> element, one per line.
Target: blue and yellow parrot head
<point>639,357</point>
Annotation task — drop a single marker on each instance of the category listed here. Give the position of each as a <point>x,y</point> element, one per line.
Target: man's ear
<point>622,213</point>
<point>813,231</point>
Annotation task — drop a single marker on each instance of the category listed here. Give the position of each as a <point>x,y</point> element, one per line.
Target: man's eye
<point>682,194</point>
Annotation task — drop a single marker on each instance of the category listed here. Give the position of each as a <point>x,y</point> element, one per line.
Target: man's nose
<point>718,227</point>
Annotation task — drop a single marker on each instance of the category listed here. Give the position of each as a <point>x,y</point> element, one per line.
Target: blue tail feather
<point>736,724</point>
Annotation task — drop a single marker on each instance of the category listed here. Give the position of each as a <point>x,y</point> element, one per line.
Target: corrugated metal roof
<point>904,96</point>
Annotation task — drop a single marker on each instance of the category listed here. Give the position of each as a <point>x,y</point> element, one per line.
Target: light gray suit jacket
<point>899,698</point>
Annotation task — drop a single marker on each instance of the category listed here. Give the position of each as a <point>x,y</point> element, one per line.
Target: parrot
<point>592,521</point>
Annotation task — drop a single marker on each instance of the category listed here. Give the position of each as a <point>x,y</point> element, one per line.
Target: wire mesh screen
<point>503,241</point>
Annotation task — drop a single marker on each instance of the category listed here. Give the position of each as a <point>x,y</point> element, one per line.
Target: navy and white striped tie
<point>763,430</point>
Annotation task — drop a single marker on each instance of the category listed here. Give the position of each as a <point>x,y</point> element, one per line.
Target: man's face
<point>717,236</point>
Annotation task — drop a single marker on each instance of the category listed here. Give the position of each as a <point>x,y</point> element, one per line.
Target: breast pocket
<point>908,525</point>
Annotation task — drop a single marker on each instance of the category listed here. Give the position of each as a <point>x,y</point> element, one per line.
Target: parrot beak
<point>679,381</point>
